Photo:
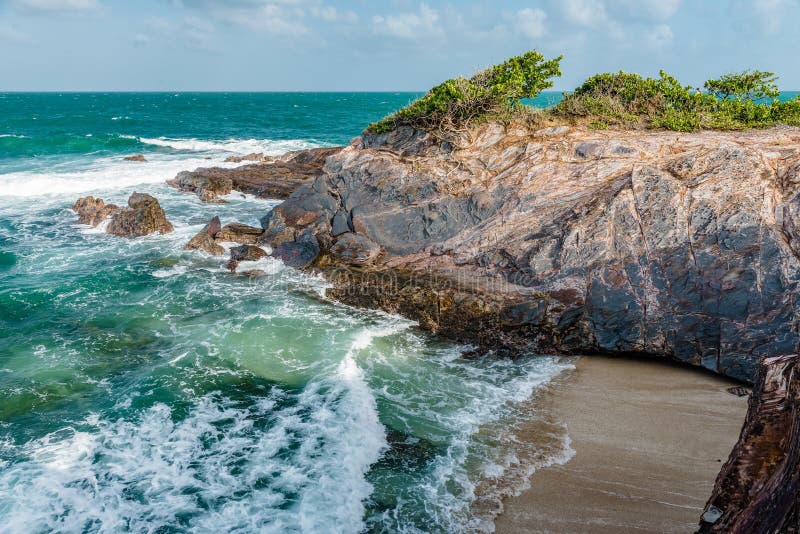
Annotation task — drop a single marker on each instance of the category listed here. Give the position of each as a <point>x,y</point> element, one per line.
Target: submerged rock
<point>244,253</point>
<point>143,216</point>
<point>680,245</point>
<point>204,239</point>
<point>239,233</point>
<point>136,157</point>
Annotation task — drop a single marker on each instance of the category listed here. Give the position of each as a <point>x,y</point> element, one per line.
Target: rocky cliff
<point>565,240</point>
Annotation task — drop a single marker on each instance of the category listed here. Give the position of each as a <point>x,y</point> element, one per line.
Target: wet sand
<point>649,439</point>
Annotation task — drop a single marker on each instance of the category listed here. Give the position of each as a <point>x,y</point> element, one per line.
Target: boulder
<point>93,211</point>
<point>204,240</point>
<point>136,157</point>
<point>355,249</point>
<point>244,253</point>
<point>206,183</point>
<point>239,233</point>
<point>143,216</point>
<point>298,254</point>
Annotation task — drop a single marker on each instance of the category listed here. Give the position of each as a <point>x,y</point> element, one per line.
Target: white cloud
<point>331,14</point>
<point>423,23</point>
<point>55,6</point>
<point>588,13</point>
<point>272,17</point>
<point>530,22</point>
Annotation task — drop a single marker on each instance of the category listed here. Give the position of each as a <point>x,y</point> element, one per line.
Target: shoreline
<point>645,455</point>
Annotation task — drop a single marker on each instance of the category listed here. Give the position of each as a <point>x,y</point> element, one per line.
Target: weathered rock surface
<point>355,249</point>
<point>271,178</point>
<point>143,215</point>
<point>204,239</point>
<point>93,211</point>
<point>758,488</point>
<point>299,253</point>
<point>239,233</point>
<point>244,253</point>
<point>136,157</point>
<point>566,240</point>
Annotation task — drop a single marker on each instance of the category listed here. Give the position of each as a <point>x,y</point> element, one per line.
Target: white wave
<point>239,146</point>
<point>102,175</point>
<point>13,135</point>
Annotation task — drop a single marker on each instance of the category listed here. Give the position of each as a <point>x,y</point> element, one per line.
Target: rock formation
<point>204,239</point>
<point>565,240</point>
<point>244,253</point>
<point>758,488</point>
<point>239,233</point>
<point>272,178</point>
<point>136,157</point>
<point>143,215</point>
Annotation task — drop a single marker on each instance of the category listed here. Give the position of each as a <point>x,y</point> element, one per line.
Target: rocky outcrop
<point>136,157</point>
<point>244,253</point>
<point>566,240</point>
<point>93,211</point>
<point>272,178</point>
<point>204,239</point>
<point>758,488</point>
<point>239,233</point>
<point>143,215</point>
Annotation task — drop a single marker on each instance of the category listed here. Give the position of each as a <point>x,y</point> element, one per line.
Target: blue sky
<point>275,45</point>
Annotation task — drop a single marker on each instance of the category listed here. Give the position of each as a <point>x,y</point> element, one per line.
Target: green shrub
<point>493,92</point>
<point>731,102</point>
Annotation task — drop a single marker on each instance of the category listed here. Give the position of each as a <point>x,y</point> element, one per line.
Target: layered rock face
<point>270,178</point>
<point>566,240</point>
<point>143,215</point>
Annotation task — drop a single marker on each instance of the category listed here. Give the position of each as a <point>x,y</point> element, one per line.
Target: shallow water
<point>147,389</point>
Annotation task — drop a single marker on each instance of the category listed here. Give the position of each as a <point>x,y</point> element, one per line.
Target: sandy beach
<point>649,438</point>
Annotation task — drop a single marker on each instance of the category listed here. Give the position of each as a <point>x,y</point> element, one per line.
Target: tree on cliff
<point>493,92</point>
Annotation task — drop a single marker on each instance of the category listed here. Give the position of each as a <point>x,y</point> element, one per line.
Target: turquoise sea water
<point>146,389</point>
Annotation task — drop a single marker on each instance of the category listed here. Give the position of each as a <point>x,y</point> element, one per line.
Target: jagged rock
<point>143,216</point>
<point>758,488</point>
<point>355,249</point>
<point>239,233</point>
<point>680,245</point>
<point>298,254</point>
<point>206,183</point>
<point>204,240</point>
<point>136,157</point>
<point>244,253</point>
<point>273,178</point>
<point>93,211</point>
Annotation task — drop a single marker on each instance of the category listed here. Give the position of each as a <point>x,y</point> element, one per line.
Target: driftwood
<point>758,488</point>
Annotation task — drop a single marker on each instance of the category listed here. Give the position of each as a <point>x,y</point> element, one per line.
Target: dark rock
<point>204,240</point>
<point>208,184</point>
<point>144,216</point>
<point>298,254</point>
<point>239,233</point>
<point>758,488</point>
<point>355,249</point>
<point>245,253</point>
<point>136,157</point>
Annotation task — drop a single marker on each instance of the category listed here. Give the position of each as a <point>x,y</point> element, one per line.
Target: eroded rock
<point>239,233</point>
<point>93,211</point>
<point>204,239</point>
<point>245,253</point>
<point>144,216</point>
<point>136,157</point>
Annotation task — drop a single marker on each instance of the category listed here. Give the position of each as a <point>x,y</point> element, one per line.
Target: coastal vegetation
<point>731,102</point>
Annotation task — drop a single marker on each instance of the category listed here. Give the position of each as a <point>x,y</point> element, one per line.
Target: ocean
<point>146,389</point>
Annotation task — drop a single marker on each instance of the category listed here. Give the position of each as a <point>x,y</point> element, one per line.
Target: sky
<point>392,45</point>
